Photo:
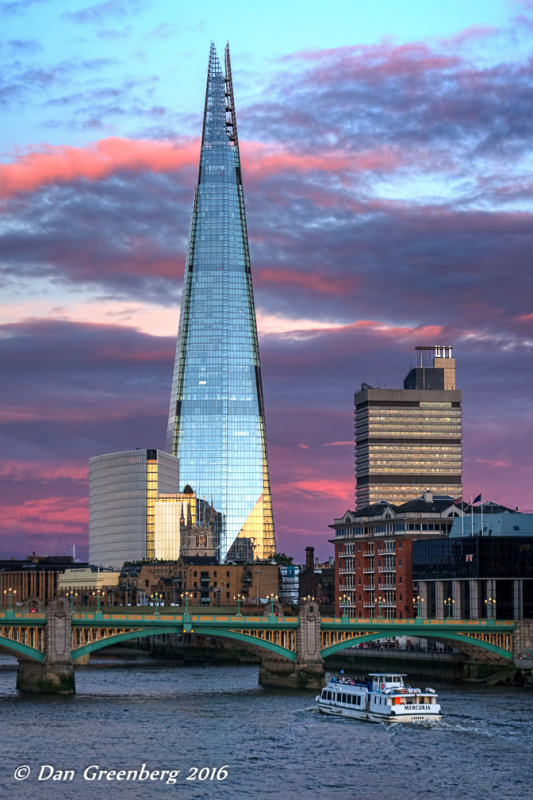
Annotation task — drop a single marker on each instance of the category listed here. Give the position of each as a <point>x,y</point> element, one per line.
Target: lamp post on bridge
<point>490,605</point>
<point>187,596</point>
<point>417,601</point>
<point>98,594</point>
<point>10,593</point>
<point>449,603</point>
<point>380,601</point>
<point>272,597</point>
<point>344,600</point>
<point>72,595</point>
<point>156,597</point>
<point>238,598</point>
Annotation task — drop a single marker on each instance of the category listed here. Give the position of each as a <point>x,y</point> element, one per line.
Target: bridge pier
<point>307,671</point>
<point>56,674</point>
<point>523,649</point>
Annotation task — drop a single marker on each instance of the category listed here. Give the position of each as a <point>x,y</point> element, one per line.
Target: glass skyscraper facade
<point>216,421</point>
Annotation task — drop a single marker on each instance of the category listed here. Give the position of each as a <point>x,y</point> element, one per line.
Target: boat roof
<point>387,674</point>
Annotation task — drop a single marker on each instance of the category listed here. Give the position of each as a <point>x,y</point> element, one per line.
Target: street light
<point>380,603</point>
<point>272,597</point>
<point>156,598</point>
<point>10,593</point>
<point>72,595</point>
<point>238,598</point>
<point>450,604</point>
<point>98,594</point>
<point>417,601</point>
<point>187,596</point>
<point>258,573</point>
<point>491,608</point>
<point>344,600</point>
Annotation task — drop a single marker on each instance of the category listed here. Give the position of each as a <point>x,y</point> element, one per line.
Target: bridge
<point>47,641</point>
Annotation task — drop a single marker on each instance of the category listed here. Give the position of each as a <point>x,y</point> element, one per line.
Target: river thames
<point>145,729</point>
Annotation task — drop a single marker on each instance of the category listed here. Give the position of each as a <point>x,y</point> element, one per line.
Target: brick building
<point>209,583</point>
<point>373,553</point>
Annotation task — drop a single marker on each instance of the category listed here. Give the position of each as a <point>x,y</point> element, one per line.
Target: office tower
<point>216,421</point>
<point>409,440</point>
<point>123,489</point>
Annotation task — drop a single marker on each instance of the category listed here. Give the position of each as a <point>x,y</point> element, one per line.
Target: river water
<point>209,722</point>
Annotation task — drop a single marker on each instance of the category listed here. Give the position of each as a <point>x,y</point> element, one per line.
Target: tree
<point>282,560</point>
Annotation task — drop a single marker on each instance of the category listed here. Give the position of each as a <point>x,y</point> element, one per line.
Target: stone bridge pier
<point>523,648</point>
<point>55,675</point>
<point>307,671</point>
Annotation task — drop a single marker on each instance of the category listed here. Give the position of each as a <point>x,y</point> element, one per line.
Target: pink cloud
<point>315,282</point>
<point>499,463</point>
<point>339,489</point>
<point>23,471</point>
<point>94,162</point>
<point>48,515</point>
<point>472,33</point>
<point>35,170</point>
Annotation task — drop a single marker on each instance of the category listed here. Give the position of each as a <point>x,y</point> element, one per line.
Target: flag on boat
<point>476,499</point>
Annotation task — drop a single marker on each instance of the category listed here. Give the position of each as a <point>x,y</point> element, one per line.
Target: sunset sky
<point>388,173</point>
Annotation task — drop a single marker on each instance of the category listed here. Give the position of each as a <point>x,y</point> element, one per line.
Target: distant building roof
<point>205,560</point>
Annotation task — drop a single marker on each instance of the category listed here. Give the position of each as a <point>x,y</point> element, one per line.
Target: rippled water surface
<point>273,743</point>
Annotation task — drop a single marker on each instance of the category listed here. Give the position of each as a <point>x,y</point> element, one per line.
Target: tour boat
<point>382,697</point>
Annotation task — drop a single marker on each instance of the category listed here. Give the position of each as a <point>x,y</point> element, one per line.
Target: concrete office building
<point>123,489</point>
<point>409,440</point>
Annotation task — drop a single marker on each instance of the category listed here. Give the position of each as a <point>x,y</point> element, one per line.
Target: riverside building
<point>216,421</point>
<point>409,440</point>
<point>484,569</point>
<point>373,553</point>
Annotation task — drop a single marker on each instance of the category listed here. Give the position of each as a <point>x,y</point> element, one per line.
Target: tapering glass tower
<point>216,422</point>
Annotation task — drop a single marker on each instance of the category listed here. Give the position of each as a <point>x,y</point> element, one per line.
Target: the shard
<point>216,422</point>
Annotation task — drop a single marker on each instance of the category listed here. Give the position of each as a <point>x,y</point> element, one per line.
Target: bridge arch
<point>141,633</point>
<point>467,641</point>
<point>18,649</point>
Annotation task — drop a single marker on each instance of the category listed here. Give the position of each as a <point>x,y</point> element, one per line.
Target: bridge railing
<point>417,622</point>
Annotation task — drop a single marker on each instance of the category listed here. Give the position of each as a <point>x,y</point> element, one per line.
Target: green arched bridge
<point>28,635</point>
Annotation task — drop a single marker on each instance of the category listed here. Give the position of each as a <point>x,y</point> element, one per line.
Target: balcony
<point>368,587</point>
<point>387,568</point>
<point>368,554</point>
<point>345,588</point>
<point>347,571</point>
<point>369,571</point>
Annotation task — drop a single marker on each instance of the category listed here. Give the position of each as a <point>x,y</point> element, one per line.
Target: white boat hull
<point>368,716</point>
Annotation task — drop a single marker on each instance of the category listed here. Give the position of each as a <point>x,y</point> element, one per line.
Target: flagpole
<point>472,514</point>
<point>482,517</point>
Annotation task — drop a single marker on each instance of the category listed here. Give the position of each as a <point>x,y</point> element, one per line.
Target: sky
<point>388,174</point>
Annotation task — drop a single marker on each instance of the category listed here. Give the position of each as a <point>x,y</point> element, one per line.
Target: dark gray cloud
<point>142,222</point>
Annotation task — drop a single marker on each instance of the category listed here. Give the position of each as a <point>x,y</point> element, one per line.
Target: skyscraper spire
<point>216,420</point>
